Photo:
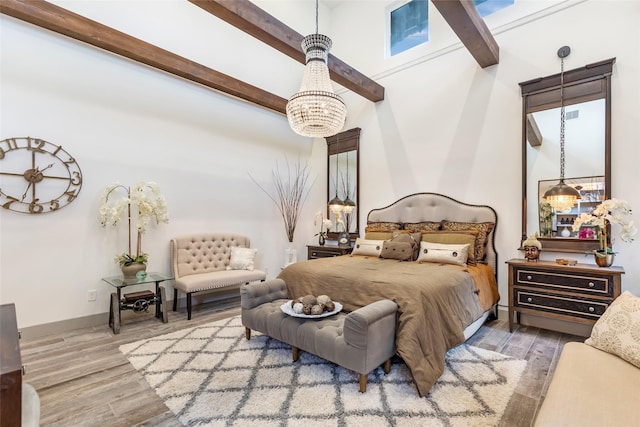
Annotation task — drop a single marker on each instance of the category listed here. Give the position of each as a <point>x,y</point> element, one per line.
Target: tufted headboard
<point>422,207</point>
<point>204,253</point>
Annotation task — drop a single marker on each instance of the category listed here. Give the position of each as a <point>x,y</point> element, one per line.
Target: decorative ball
<point>317,309</point>
<point>323,299</point>
<point>297,307</point>
<point>330,306</point>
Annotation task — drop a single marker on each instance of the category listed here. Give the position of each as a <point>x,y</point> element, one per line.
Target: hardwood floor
<point>83,379</point>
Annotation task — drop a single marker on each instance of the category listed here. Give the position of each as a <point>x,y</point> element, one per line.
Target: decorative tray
<point>287,309</point>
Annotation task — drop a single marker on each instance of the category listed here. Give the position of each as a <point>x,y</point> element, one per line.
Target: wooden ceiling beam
<point>464,19</point>
<point>254,21</point>
<point>62,21</point>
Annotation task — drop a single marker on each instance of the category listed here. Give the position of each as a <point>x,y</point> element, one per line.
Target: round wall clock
<point>36,176</point>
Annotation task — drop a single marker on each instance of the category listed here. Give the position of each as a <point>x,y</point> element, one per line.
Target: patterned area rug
<point>210,375</point>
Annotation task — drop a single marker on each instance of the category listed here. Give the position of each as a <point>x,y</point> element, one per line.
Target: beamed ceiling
<point>461,15</point>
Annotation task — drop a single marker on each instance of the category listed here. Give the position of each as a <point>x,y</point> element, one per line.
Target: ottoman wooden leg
<point>295,353</point>
<point>387,366</point>
<point>247,333</point>
<point>363,382</point>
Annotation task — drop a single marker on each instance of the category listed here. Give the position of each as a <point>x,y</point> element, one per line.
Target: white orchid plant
<point>610,213</point>
<point>324,224</point>
<point>149,205</point>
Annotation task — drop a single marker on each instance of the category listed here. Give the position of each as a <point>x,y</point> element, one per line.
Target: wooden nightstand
<point>326,251</point>
<point>579,293</point>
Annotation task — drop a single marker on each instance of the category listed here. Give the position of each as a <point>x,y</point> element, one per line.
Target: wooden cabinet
<point>10,368</point>
<point>579,293</point>
<point>326,251</point>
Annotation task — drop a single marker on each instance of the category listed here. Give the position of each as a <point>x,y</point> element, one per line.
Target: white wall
<point>449,126</point>
<point>126,122</point>
<point>446,126</point>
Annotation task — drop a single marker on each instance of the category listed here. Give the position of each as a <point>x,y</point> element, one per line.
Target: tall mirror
<point>587,100</point>
<point>343,166</point>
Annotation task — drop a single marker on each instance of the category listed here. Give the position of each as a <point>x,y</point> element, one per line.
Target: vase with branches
<point>148,205</point>
<point>291,188</point>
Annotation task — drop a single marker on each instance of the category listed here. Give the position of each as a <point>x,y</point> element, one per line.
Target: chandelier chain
<point>562,118</point>
<point>316,16</point>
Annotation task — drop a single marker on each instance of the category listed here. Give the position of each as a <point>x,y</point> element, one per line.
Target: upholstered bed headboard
<point>422,207</point>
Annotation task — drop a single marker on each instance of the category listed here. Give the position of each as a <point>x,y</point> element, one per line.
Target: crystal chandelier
<point>562,196</point>
<point>315,110</point>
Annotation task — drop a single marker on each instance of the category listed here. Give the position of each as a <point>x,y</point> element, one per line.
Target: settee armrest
<point>358,325</point>
<point>255,294</point>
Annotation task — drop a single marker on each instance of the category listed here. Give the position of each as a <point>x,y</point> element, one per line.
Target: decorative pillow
<point>426,225</point>
<point>446,254</point>
<point>449,237</point>
<point>402,251</point>
<point>407,236</point>
<point>367,247</point>
<point>378,234</point>
<point>618,330</point>
<point>383,226</point>
<point>484,228</point>
<point>242,258</point>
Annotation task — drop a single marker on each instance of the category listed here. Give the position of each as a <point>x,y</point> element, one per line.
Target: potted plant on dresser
<point>608,214</point>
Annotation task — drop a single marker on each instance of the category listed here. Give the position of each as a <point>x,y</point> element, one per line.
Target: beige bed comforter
<point>436,302</point>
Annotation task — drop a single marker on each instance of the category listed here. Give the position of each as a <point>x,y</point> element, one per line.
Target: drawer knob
<point>591,309</point>
<point>529,277</point>
<point>591,284</point>
<point>529,300</point>
<point>314,253</point>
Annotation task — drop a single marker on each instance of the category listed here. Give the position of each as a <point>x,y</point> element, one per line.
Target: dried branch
<point>291,191</point>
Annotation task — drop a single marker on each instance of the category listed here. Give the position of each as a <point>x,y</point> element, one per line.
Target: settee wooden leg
<point>363,382</point>
<point>247,333</point>
<point>295,353</point>
<point>175,299</point>
<point>189,306</point>
<point>387,366</point>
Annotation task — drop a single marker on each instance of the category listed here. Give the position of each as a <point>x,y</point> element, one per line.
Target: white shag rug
<point>210,375</point>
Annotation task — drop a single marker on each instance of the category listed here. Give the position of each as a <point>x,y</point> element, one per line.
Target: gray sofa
<point>360,341</point>
<point>199,263</point>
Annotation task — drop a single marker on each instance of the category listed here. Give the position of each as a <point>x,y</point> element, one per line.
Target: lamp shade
<point>562,196</point>
<point>349,205</point>
<point>336,205</point>
<point>316,110</point>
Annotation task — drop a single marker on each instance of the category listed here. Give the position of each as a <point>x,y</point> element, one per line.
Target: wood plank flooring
<point>83,379</point>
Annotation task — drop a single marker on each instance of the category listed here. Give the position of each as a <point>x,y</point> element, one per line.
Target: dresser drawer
<point>593,284</point>
<point>560,304</point>
<point>314,253</point>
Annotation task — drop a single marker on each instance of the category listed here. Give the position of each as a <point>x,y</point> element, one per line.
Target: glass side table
<point>136,301</point>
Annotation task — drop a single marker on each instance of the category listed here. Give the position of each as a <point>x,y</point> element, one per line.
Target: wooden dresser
<point>326,251</point>
<point>579,293</point>
<point>10,368</point>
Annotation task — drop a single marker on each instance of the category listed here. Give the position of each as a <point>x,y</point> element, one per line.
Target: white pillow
<point>618,330</point>
<point>242,258</point>
<point>443,253</point>
<point>367,247</point>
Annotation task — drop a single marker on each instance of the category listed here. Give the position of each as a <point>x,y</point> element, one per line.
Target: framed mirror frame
<point>588,83</point>
<point>344,142</point>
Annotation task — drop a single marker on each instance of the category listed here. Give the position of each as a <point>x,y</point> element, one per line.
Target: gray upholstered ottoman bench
<point>360,341</point>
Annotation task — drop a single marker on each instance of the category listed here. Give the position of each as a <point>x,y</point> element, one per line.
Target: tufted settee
<point>199,263</point>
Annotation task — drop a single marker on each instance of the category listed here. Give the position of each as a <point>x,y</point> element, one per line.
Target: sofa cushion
<point>590,388</point>
<point>242,258</point>
<point>216,279</point>
<point>618,330</point>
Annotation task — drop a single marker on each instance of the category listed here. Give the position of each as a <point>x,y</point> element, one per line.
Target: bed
<point>441,300</point>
